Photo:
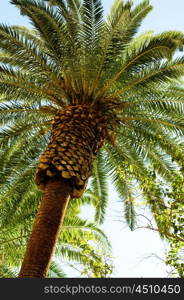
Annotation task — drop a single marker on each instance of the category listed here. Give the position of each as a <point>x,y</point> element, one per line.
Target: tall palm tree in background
<point>97,93</point>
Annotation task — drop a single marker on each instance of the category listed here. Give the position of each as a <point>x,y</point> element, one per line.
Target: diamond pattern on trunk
<point>77,134</point>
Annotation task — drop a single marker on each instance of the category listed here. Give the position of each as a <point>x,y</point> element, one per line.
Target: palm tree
<point>95,91</point>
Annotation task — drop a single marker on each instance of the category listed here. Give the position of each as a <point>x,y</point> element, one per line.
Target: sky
<point>129,249</point>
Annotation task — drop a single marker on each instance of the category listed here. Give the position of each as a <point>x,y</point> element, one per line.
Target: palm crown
<point>88,85</point>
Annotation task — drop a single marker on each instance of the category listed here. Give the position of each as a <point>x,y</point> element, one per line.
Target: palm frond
<point>99,186</point>
<point>55,271</point>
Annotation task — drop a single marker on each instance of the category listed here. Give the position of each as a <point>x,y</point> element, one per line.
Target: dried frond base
<point>77,134</point>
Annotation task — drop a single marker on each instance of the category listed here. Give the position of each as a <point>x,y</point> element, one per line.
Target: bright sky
<point>129,248</point>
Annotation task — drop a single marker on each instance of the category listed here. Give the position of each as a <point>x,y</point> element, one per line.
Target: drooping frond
<point>76,228</point>
<point>55,271</point>
<point>99,186</point>
<point>124,186</point>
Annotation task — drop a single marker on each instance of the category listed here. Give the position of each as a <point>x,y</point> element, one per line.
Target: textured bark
<point>78,132</point>
<point>46,228</point>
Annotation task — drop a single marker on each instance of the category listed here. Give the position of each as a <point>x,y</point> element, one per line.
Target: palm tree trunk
<point>78,132</point>
<point>46,228</point>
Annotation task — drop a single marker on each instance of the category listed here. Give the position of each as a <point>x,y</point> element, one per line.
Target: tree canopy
<point>72,55</point>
